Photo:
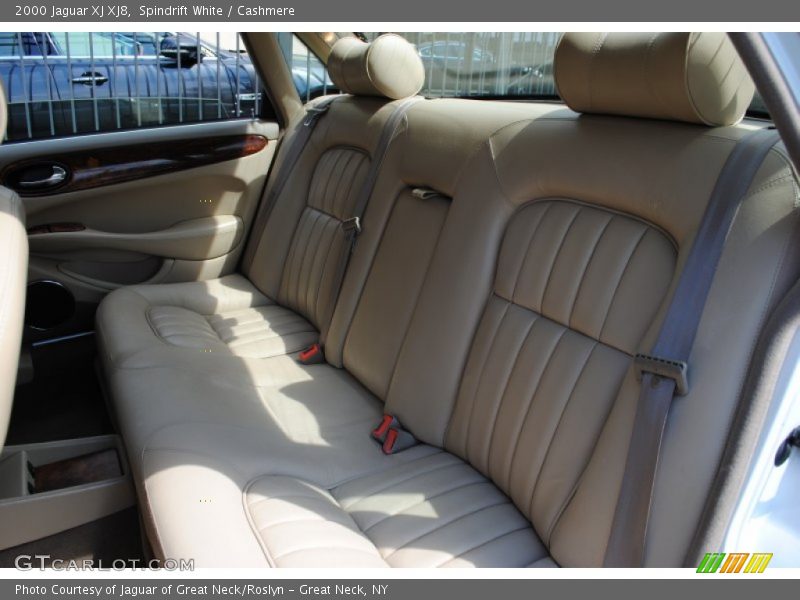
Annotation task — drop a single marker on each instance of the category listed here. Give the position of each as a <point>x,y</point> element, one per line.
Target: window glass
<point>308,72</point>
<point>9,44</point>
<point>32,44</point>
<point>493,64</point>
<point>487,64</point>
<point>98,44</point>
<point>81,82</point>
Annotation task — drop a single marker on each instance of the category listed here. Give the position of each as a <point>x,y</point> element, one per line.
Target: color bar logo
<point>734,562</point>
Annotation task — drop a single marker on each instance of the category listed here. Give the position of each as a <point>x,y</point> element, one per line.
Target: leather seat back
<point>297,256</point>
<point>404,336</point>
<point>600,229</point>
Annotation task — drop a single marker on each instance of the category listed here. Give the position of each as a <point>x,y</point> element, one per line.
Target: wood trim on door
<point>88,169</point>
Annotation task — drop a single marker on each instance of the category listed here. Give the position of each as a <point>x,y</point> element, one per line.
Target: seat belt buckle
<point>397,440</point>
<point>351,226</point>
<point>663,367</point>
<point>312,355</point>
<point>391,436</point>
<point>379,433</point>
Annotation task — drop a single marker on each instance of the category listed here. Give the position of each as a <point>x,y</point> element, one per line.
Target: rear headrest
<point>388,67</point>
<point>693,77</point>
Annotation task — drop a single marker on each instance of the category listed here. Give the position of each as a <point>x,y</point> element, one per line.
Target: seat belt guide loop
<point>314,113</point>
<point>352,225</point>
<point>663,367</point>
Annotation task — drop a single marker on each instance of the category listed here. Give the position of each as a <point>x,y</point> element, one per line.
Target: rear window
<point>486,64</point>
<point>493,65</point>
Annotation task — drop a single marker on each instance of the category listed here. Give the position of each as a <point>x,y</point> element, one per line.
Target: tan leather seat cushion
<point>528,284</point>
<point>222,316</point>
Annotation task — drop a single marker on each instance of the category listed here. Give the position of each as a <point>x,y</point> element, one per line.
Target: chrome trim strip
<point>63,338</point>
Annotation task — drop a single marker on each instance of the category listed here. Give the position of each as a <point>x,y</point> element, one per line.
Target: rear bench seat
<point>285,295</point>
<point>514,259</point>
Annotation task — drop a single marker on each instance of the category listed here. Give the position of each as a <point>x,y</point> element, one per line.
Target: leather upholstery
<point>412,515</point>
<point>693,77</point>
<point>497,319</point>
<point>309,275</point>
<point>437,511</point>
<point>227,316</point>
<point>388,67</point>
<point>287,300</point>
<point>576,289</point>
<point>13,279</point>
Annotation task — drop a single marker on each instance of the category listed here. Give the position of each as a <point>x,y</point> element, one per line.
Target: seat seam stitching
<point>289,261</point>
<point>274,524</point>
<point>522,421</point>
<point>502,396</point>
<point>478,383</point>
<point>586,269</point>
<point>299,282</point>
<point>338,548</point>
<point>375,492</point>
<point>555,259</point>
<point>331,190</point>
<point>526,255</point>
<point>405,509</point>
<point>440,526</point>
<point>312,303</point>
<point>254,530</point>
<point>482,544</point>
<point>555,431</point>
<point>619,283</point>
<point>322,273</point>
<point>579,479</point>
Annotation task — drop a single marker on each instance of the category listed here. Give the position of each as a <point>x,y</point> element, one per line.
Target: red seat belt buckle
<point>311,356</point>
<point>390,441</point>
<point>379,433</point>
<point>398,440</point>
<point>391,436</point>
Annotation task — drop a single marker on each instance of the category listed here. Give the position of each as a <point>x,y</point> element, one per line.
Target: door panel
<point>86,169</point>
<point>153,205</point>
<point>193,239</point>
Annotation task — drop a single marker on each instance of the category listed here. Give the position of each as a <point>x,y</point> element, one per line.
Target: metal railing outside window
<point>495,64</point>
<point>60,83</point>
<point>308,72</point>
<point>488,64</point>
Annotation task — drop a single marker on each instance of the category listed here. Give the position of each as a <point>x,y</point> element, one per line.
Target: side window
<point>309,74</point>
<point>24,44</point>
<point>72,83</point>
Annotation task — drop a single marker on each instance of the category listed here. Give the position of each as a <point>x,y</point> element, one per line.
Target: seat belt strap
<point>304,130</point>
<point>352,227</point>
<point>663,373</point>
